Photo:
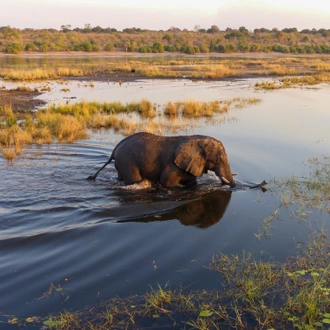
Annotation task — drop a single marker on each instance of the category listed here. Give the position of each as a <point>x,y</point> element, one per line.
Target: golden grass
<point>23,88</point>
<point>212,71</point>
<point>146,109</point>
<point>279,70</point>
<point>67,123</point>
<point>193,68</point>
<point>290,82</point>
<point>64,128</point>
<point>40,73</point>
<point>171,109</point>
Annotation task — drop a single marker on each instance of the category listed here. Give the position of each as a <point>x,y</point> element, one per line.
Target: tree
<point>197,28</point>
<point>14,48</point>
<point>158,47</point>
<point>213,29</point>
<point>243,30</point>
<point>66,27</point>
<point>168,37</point>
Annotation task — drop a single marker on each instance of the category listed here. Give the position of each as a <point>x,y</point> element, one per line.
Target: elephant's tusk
<point>224,180</point>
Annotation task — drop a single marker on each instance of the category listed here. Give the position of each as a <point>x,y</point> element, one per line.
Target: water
<point>97,239</point>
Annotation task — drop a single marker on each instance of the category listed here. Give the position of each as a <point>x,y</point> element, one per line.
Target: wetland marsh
<point>67,243</point>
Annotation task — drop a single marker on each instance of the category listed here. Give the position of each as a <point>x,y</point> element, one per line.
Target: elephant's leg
<point>189,182</point>
<point>127,172</point>
<point>132,176</point>
<point>119,177</point>
<point>170,176</point>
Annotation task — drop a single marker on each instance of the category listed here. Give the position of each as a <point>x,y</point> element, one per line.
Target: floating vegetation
<point>311,191</point>
<point>70,122</point>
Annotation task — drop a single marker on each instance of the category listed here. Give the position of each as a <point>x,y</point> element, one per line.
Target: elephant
<point>169,160</point>
<point>201,212</point>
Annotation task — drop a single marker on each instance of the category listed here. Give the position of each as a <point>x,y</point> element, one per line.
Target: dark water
<point>97,239</point>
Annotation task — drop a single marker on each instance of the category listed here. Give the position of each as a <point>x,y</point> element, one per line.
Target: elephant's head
<point>200,154</point>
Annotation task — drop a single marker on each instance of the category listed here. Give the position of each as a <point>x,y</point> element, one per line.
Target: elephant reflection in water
<point>202,212</point>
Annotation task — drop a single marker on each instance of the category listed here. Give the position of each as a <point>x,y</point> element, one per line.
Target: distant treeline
<point>94,39</point>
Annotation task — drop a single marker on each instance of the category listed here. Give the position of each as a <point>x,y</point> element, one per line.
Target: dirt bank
<point>20,101</point>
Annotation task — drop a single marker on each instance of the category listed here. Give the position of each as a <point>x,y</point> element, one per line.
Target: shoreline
<point>165,54</point>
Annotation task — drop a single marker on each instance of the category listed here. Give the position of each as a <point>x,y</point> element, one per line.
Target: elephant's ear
<point>189,156</point>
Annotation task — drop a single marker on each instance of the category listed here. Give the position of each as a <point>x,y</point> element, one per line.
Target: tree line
<point>199,40</point>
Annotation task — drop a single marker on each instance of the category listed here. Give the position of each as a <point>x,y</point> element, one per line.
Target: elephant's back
<point>147,152</point>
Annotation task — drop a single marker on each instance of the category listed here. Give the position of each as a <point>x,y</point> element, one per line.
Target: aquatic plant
<point>253,294</point>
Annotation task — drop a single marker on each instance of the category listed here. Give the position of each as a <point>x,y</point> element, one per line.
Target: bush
<point>255,48</point>
<point>14,48</point>
<point>170,48</point>
<point>30,47</point>
<point>280,49</point>
<point>158,47</point>
<point>309,49</point>
<point>109,47</point>
<point>86,46</point>
<point>187,49</point>
<point>145,49</point>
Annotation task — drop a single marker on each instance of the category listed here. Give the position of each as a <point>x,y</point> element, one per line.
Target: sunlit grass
<point>66,123</point>
<point>212,71</point>
<point>192,68</point>
<point>291,82</point>
<point>40,73</point>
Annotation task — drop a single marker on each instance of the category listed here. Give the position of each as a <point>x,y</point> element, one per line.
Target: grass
<point>311,191</point>
<point>254,294</point>
<point>40,73</point>
<point>290,82</point>
<point>190,67</point>
<point>69,122</point>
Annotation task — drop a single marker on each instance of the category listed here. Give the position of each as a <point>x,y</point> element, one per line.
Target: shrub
<point>14,48</point>
<point>86,46</point>
<point>170,48</point>
<point>187,49</point>
<point>145,49</point>
<point>109,47</point>
<point>158,47</point>
<point>30,47</point>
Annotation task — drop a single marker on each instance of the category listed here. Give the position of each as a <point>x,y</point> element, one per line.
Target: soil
<point>20,101</point>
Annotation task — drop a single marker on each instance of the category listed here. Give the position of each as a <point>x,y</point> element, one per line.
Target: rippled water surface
<point>97,239</point>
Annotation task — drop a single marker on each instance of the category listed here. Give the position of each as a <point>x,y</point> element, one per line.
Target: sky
<point>162,15</point>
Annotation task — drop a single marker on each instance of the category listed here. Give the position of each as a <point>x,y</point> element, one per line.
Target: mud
<point>20,101</point>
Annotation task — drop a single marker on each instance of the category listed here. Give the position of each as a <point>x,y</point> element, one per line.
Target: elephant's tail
<point>93,177</point>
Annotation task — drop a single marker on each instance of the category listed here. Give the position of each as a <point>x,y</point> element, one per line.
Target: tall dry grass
<point>41,73</point>
<point>212,71</point>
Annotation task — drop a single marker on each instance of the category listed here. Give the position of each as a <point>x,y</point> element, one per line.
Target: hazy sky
<point>161,15</point>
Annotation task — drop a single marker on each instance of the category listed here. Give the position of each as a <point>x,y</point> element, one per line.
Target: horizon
<point>161,16</point>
